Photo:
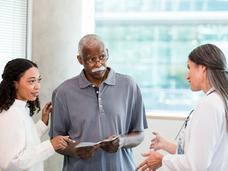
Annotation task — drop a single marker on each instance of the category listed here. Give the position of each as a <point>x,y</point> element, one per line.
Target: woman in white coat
<point>20,145</point>
<point>203,142</point>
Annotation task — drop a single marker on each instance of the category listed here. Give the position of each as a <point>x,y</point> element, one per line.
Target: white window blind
<point>13,30</point>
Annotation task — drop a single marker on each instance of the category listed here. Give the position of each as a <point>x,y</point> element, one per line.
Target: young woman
<point>204,144</point>
<point>20,145</point>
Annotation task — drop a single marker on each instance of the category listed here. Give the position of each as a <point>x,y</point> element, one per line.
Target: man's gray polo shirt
<point>86,115</point>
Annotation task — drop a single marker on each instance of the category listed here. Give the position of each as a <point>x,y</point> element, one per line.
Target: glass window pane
<point>156,57</point>
<point>155,54</point>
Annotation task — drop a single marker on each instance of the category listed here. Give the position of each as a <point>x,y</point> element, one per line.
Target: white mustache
<point>102,68</point>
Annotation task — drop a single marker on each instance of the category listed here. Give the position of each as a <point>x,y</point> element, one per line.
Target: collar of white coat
<point>20,103</point>
<point>211,90</point>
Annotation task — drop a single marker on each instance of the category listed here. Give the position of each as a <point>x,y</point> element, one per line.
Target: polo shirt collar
<point>110,80</point>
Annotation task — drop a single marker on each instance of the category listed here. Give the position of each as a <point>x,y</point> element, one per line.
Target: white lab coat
<point>20,146</point>
<point>206,139</point>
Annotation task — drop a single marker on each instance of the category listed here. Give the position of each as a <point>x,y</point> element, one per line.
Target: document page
<point>91,144</point>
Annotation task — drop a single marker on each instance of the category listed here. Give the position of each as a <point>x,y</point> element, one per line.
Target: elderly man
<point>98,105</point>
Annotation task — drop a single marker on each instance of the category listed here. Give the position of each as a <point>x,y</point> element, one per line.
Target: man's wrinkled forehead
<point>90,44</point>
<point>92,47</point>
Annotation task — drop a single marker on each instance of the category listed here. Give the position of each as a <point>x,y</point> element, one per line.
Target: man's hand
<point>86,152</point>
<point>111,146</point>
<point>60,142</point>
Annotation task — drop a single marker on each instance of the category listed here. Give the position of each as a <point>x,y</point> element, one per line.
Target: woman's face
<point>196,75</point>
<point>28,87</point>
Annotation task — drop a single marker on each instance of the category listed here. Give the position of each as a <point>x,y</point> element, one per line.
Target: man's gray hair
<point>88,41</point>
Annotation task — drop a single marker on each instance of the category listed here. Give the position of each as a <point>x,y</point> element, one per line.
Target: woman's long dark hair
<point>215,61</point>
<point>13,71</point>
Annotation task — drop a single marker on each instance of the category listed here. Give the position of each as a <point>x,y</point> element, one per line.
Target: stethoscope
<point>187,119</point>
<point>184,125</point>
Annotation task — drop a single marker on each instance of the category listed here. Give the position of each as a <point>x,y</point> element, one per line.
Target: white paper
<point>91,144</point>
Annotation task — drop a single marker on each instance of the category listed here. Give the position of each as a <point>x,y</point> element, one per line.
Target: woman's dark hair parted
<point>13,71</point>
<point>214,60</point>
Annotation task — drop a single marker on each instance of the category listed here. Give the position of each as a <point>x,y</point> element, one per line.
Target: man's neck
<point>97,82</point>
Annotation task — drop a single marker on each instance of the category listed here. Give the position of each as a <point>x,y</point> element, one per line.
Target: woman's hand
<point>152,162</point>
<point>160,143</point>
<point>45,112</point>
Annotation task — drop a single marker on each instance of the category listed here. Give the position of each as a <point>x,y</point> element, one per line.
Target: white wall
<point>56,29</point>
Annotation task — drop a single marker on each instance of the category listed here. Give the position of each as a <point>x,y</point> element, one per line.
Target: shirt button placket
<point>101,109</point>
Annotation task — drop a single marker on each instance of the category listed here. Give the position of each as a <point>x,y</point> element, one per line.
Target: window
<point>151,39</point>
<point>13,30</point>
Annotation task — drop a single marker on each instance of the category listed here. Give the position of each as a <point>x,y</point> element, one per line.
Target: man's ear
<point>79,59</point>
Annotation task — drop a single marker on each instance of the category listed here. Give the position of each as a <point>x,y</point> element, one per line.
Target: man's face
<point>94,59</point>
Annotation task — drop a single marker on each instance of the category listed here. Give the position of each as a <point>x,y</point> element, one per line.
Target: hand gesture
<point>111,146</point>
<point>160,143</point>
<point>45,112</point>
<point>60,142</point>
<point>152,162</point>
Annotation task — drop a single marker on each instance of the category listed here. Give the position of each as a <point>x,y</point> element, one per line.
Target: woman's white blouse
<point>20,145</point>
<point>206,139</point>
